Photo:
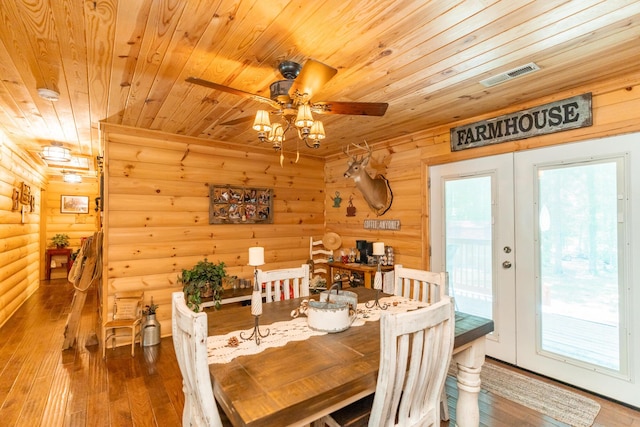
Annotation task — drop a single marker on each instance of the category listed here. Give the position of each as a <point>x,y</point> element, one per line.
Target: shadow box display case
<point>240,205</point>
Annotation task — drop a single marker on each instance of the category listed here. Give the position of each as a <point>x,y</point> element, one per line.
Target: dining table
<point>296,382</point>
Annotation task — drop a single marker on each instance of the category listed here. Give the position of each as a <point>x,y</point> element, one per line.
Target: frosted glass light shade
<point>317,131</point>
<point>304,119</point>
<point>262,122</point>
<point>56,153</point>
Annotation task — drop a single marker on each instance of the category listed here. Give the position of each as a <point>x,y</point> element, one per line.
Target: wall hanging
<point>240,205</point>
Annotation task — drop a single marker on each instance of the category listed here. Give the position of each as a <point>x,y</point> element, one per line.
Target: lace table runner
<point>224,348</point>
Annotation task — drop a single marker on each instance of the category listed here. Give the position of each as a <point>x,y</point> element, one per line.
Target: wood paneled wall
<point>19,241</point>
<point>157,210</point>
<point>76,226</point>
<point>616,110</point>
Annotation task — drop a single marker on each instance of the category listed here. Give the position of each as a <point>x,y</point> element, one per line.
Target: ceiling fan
<point>291,99</point>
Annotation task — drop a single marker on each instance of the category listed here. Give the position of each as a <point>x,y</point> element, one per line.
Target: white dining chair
<point>319,257</point>
<point>285,283</point>
<point>420,285</point>
<point>415,352</point>
<point>190,343</point>
<point>425,286</point>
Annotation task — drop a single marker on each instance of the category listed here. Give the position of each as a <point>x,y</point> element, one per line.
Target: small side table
<point>66,252</point>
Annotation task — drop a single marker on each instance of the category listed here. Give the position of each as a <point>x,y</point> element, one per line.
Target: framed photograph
<point>74,204</point>
<point>240,205</point>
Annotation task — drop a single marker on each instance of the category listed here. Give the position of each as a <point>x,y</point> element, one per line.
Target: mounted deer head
<point>376,191</point>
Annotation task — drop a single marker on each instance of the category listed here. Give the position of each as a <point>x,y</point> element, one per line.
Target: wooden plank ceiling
<point>126,61</point>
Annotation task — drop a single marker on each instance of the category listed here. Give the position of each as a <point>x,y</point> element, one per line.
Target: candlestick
<point>378,251</point>
<point>256,258</point>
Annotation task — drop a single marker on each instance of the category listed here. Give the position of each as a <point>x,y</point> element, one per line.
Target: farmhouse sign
<point>570,113</point>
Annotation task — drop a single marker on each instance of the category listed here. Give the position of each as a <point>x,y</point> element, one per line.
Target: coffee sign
<point>570,113</point>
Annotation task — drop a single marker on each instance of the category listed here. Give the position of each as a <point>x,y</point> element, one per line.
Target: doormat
<point>563,405</point>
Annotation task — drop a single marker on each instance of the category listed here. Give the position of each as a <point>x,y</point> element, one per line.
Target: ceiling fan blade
<point>312,77</point>
<point>353,108</point>
<point>238,121</point>
<point>216,86</point>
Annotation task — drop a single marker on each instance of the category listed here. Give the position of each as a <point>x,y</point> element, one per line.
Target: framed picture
<point>240,205</point>
<point>74,204</point>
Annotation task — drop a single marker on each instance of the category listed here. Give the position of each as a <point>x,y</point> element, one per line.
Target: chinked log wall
<point>157,211</point>
<point>405,162</point>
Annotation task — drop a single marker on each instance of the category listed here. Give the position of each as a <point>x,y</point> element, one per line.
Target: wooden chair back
<point>415,352</point>
<point>127,316</point>
<point>319,256</point>
<point>285,283</point>
<point>420,285</point>
<point>190,343</point>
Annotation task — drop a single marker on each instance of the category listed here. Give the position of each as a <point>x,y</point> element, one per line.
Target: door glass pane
<point>578,262</point>
<point>468,236</point>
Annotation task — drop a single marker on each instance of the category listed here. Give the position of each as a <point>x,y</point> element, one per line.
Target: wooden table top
<point>282,385</point>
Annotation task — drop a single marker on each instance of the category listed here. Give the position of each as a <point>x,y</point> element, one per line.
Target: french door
<point>553,268</point>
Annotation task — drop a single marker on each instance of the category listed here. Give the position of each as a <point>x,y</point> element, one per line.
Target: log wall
<point>19,240</point>
<point>156,217</point>
<point>405,161</point>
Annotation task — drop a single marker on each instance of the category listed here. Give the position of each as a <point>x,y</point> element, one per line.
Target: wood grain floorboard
<point>41,385</point>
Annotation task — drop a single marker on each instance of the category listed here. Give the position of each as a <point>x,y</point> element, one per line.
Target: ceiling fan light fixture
<point>261,122</point>
<point>48,94</point>
<point>71,177</point>
<point>317,131</point>
<point>277,133</point>
<point>56,153</point>
<point>304,119</point>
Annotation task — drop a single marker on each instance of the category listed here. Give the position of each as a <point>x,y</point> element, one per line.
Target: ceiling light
<point>71,177</point>
<point>295,117</point>
<point>48,94</point>
<point>56,153</point>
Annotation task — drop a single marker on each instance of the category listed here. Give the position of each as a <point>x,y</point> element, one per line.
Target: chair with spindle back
<point>127,314</point>
<point>189,331</point>
<point>415,352</point>
<point>425,286</point>
<point>285,283</point>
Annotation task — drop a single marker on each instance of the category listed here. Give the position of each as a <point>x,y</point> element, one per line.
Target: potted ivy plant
<point>60,240</point>
<point>204,277</point>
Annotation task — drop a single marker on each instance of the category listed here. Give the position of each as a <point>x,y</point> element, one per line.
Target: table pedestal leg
<point>469,362</point>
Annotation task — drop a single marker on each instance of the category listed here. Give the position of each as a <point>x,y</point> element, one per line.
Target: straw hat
<point>331,241</point>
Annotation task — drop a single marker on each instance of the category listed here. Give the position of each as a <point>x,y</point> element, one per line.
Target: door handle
<point>506,264</point>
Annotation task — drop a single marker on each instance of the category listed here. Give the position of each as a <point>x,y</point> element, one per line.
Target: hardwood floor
<point>41,385</point>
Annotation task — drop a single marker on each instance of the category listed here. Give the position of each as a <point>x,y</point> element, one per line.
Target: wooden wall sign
<point>382,224</point>
<point>240,205</point>
<point>570,113</point>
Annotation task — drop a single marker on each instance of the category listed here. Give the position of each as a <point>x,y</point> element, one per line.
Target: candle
<point>256,303</point>
<point>256,256</point>
<point>378,248</point>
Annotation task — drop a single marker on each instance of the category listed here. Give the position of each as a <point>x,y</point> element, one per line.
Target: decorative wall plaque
<point>382,224</point>
<point>229,204</point>
<point>570,113</point>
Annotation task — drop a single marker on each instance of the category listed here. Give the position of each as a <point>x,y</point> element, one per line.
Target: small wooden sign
<point>382,224</point>
<point>570,113</point>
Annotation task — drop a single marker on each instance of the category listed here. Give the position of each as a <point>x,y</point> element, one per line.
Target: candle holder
<point>256,258</point>
<point>378,251</point>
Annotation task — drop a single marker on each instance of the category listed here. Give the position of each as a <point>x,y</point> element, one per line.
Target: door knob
<point>506,264</point>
